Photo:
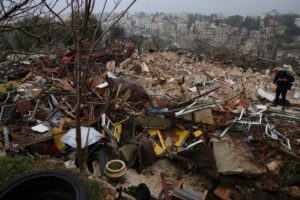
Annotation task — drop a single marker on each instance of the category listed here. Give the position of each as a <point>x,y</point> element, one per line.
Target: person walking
<point>283,79</point>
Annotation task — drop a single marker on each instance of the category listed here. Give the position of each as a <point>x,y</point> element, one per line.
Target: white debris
<point>267,95</point>
<point>41,128</point>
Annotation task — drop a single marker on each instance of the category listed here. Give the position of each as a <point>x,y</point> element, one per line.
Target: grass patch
<point>13,167</point>
<point>94,190</point>
<point>289,170</point>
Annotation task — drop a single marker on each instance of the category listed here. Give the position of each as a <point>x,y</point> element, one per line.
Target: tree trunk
<point>80,153</point>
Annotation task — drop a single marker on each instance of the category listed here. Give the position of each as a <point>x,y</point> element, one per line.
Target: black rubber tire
<point>45,185</point>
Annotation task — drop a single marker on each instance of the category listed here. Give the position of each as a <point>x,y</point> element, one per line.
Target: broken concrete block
<point>199,78</point>
<point>193,89</point>
<point>235,73</point>
<point>264,94</point>
<point>297,95</point>
<point>149,58</point>
<point>233,157</point>
<point>203,116</point>
<point>251,93</point>
<point>111,65</point>
<point>220,73</point>
<point>145,67</point>
<point>211,74</point>
<point>273,166</point>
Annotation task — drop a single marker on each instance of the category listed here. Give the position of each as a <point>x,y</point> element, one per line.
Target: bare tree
<point>13,10</point>
<point>195,42</point>
<point>81,12</point>
<point>27,18</point>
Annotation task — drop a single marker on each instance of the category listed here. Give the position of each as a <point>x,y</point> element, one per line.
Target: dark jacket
<point>283,79</point>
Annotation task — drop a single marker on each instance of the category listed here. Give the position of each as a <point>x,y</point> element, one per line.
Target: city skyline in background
<point>226,7</point>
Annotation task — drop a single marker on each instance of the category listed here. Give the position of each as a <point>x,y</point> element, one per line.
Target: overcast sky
<point>227,7</point>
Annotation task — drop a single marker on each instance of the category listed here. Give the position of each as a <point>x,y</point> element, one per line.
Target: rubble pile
<point>181,77</point>
<point>213,120</point>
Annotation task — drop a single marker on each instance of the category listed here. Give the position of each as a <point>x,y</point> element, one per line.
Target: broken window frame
<point>107,124</point>
<point>271,132</point>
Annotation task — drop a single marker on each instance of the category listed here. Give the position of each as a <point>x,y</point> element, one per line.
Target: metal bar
<point>285,116</point>
<point>189,109</point>
<point>227,129</point>
<point>191,145</point>
<point>242,113</point>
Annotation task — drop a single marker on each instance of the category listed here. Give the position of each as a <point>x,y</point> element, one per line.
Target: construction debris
<point>210,119</point>
<point>233,157</point>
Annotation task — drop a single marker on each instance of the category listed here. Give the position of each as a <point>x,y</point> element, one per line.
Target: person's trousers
<point>281,91</point>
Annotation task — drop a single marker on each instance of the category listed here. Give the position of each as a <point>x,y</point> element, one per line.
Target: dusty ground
<point>151,177</point>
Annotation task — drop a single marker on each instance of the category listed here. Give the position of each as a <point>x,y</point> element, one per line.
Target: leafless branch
<point>102,36</point>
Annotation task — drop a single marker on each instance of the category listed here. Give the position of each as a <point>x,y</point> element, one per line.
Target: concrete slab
<point>233,157</point>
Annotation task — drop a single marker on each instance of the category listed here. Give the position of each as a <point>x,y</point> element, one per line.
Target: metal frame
<point>193,107</point>
<point>107,124</point>
<point>274,134</point>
